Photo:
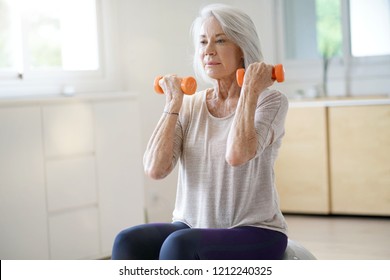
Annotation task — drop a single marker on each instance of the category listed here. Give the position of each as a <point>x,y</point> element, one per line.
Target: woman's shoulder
<point>192,103</point>
<point>195,99</point>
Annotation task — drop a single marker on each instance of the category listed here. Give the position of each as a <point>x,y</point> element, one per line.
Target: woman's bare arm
<point>242,141</point>
<point>158,157</point>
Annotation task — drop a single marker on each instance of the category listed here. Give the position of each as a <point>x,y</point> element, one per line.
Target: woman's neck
<point>223,98</point>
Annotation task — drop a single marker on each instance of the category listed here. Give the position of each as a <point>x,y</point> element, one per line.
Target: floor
<point>342,237</point>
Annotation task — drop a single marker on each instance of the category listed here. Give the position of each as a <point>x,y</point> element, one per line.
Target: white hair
<point>237,26</point>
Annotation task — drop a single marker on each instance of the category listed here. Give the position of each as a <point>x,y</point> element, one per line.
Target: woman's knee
<point>180,245</point>
<point>124,244</point>
<point>134,243</point>
<point>128,236</point>
<point>143,241</point>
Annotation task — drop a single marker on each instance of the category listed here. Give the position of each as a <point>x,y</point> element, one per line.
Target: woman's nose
<point>210,49</point>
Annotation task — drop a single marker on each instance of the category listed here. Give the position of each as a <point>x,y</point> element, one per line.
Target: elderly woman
<point>226,140</point>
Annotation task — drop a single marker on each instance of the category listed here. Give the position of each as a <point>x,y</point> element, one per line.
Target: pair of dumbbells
<point>188,84</point>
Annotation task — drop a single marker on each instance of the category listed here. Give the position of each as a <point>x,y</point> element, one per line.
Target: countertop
<point>340,101</point>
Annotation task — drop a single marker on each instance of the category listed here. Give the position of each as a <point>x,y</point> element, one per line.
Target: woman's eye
<point>203,42</point>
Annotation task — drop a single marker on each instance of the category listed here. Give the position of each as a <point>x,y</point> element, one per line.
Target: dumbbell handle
<point>277,74</point>
<point>188,85</point>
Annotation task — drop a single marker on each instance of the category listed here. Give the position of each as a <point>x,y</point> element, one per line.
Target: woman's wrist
<point>173,109</point>
<point>249,94</point>
<point>171,113</point>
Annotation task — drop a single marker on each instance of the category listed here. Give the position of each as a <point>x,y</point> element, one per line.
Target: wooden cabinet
<point>301,169</point>
<point>359,139</point>
<point>335,160</point>
<point>70,177</point>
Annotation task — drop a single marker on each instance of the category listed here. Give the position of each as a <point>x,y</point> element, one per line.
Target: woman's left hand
<point>258,77</point>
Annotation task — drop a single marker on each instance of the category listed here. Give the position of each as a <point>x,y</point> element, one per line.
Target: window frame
<point>53,82</point>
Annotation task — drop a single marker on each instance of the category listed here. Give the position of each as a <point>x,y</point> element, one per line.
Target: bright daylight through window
<point>370,27</point>
<point>48,35</point>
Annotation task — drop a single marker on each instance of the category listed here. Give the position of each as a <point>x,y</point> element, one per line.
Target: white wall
<point>155,41</point>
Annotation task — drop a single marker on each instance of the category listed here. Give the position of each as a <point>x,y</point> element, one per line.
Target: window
<point>370,27</point>
<point>313,28</point>
<point>335,47</point>
<point>48,35</point>
<point>328,25</point>
<point>47,46</point>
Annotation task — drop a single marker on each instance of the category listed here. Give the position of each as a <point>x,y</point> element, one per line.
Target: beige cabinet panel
<point>360,159</point>
<point>301,169</point>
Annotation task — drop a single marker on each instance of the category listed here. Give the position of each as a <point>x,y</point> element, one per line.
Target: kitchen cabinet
<point>301,169</point>
<point>359,139</point>
<point>335,158</point>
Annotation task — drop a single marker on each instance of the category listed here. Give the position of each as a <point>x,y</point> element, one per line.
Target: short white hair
<point>237,26</point>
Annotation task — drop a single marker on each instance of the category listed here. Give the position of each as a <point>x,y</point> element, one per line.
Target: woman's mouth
<point>212,63</point>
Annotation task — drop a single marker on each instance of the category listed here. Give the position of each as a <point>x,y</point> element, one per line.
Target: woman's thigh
<point>219,244</point>
<point>143,242</point>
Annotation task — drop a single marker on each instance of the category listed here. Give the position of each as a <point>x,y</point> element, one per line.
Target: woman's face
<point>219,55</point>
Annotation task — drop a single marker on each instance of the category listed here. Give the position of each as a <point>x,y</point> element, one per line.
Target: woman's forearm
<point>158,157</point>
<point>242,139</point>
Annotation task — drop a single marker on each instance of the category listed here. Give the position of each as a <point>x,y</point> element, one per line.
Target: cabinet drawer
<point>75,234</point>
<point>71,182</point>
<point>68,129</point>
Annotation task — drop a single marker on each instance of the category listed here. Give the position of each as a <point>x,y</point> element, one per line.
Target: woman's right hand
<point>171,85</point>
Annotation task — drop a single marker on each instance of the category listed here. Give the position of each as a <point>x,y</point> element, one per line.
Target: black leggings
<point>176,241</point>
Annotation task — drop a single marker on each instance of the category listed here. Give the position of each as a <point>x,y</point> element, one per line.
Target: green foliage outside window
<point>329,34</point>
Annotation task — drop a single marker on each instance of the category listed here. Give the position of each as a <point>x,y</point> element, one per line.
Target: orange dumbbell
<point>277,74</point>
<point>188,85</point>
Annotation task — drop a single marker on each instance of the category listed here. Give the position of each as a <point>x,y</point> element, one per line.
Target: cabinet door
<point>71,181</point>
<point>23,218</point>
<point>301,169</point>
<point>119,168</point>
<point>74,234</point>
<point>68,130</point>
<point>360,159</point>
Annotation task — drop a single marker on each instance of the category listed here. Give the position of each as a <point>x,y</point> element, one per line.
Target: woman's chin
<point>213,74</point>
